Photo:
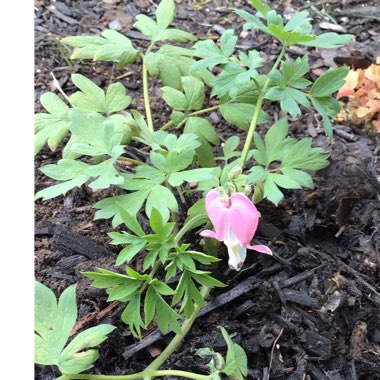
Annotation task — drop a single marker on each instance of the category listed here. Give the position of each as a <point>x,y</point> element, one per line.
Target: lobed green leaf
<point>111,46</point>
<point>51,127</point>
<point>329,82</point>
<point>236,363</point>
<point>207,135</point>
<point>155,306</point>
<point>74,359</point>
<point>71,171</point>
<point>157,30</point>
<point>240,114</point>
<point>211,54</point>
<point>170,63</point>
<point>91,98</point>
<point>132,315</point>
<point>53,325</point>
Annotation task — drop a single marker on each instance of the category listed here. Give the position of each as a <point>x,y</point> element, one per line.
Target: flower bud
<point>247,190</point>
<point>236,171</point>
<point>231,188</point>
<point>258,194</point>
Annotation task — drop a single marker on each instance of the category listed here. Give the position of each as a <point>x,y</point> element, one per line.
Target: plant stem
<point>180,191</point>
<point>140,375</point>
<point>177,340</point>
<point>152,370</point>
<point>148,110</point>
<point>186,227</point>
<point>176,221</point>
<point>181,374</point>
<point>151,274</point>
<point>255,117</point>
<point>131,160</point>
<point>170,123</point>
<point>174,215</point>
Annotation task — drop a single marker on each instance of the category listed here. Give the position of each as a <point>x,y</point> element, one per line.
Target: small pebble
<point>214,117</point>
<point>219,29</point>
<point>351,301</point>
<point>68,202</point>
<point>115,25</point>
<point>355,29</point>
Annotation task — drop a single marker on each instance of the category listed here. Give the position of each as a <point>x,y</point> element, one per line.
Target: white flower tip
<point>235,263</point>
<point>237,267</point>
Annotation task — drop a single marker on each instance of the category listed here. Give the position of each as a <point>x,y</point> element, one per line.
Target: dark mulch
<point>312,311</point>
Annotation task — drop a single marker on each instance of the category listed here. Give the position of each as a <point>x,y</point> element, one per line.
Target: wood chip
<point>358,340</point>
<point>61,16</point>
<point>72,243</point>
<point>301,298</point>
<point>334,27</point>
<point>317,344</point>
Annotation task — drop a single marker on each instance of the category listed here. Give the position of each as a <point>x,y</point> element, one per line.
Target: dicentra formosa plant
<point>174,281</point>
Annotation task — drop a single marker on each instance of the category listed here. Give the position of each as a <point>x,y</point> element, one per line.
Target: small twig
<point>359,278</point>
<point>58,86</point>
<point>341,230</point>
<point>323,13</point>
<point>317,3</point>
<point>372,352</point>
<point>279,292</point>
<point>347,136</point>
<point>96,315</point>
<point>127,74</point>
<point>357,15</point>
<point>272,351</point>
<point>375,229</point>
<point>299,277</point>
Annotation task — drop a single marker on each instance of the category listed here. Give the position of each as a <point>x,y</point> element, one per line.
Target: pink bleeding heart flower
<point>235,220</point>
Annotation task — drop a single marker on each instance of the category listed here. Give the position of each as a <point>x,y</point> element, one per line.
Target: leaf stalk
<point>148,110</point>
<point>177,340</point>
<point>138,375</point>
<point>195,113</point>
<point>256,114</point>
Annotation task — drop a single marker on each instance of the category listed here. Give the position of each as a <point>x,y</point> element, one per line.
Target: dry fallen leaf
<point>334,283</point>
<point>352,79</point>
<point>362,90</point>
<point>154,350</point>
